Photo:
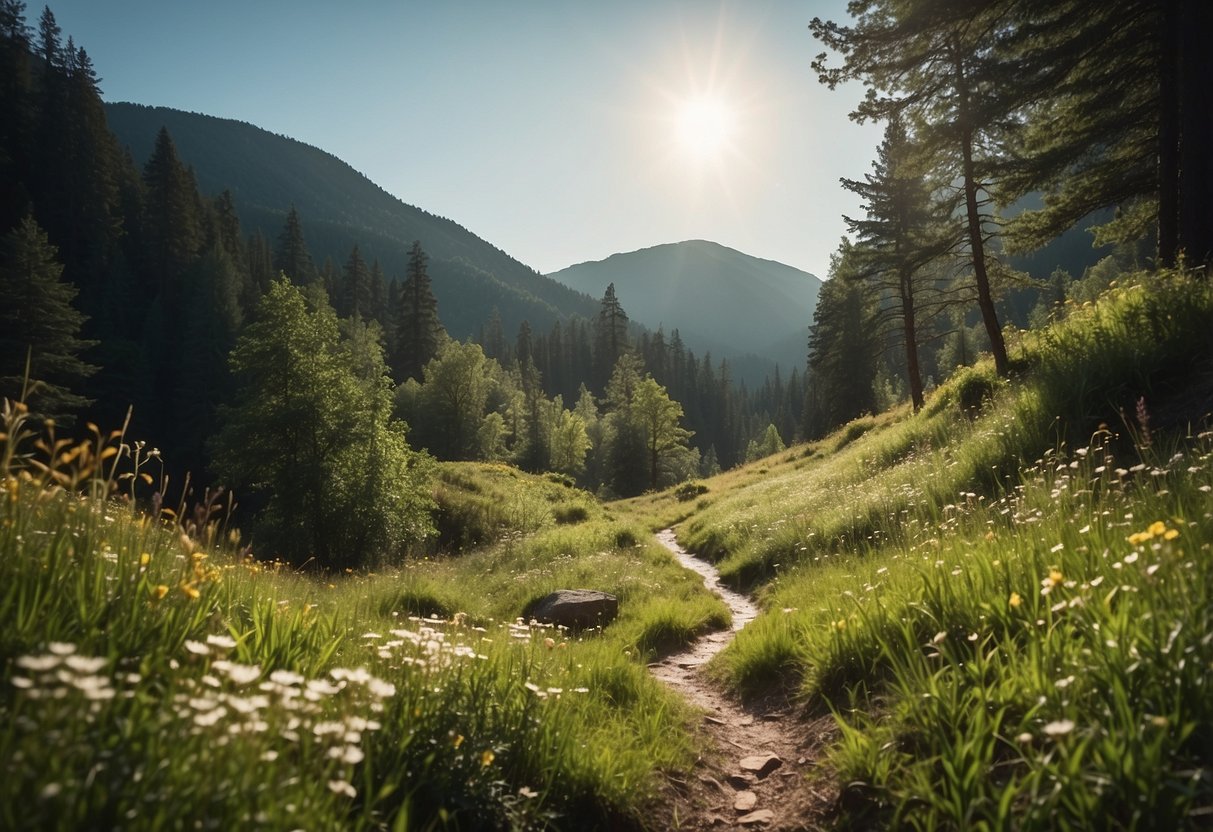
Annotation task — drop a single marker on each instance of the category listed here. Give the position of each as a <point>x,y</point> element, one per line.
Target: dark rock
<point>577,609</point>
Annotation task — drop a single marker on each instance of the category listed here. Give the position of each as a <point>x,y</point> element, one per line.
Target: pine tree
<point>935,64</point>
<point>842,354</point>
<point>171,222</point>
<point>1113,121</point>
<point>419,331</point>
<point>895,241</point>
<point>610,336</point>
<point>355,287</point>
<point>37,320</point>
<point>292,257</point>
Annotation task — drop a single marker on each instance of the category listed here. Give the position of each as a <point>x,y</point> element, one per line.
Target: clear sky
<point>558,130</point>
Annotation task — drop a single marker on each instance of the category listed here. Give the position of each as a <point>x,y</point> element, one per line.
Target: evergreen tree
<point>895,241</point>
<point>172,233</point>
<point>292,257</point>
<point>842,355</point>
<point>1113,121</point>
<point>355,299</point>
<point>419,330</point>
<point>37,320</point>
<point>935,63</point>
<point>610,336</point>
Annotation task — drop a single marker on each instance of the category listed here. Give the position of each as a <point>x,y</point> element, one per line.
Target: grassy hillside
<point>267,173</point>
<point>152,675</point>
<point>1006,599</point>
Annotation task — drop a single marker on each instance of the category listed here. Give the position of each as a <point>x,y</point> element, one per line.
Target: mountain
<point>339,207</point>
<point>719,299</point>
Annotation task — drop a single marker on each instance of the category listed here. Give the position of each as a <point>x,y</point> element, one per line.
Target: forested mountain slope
<point>339,207</point>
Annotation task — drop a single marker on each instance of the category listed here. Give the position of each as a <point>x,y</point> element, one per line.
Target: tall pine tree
<point>418,329</point>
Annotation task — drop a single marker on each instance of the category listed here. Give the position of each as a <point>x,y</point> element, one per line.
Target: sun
<point>705,126</point>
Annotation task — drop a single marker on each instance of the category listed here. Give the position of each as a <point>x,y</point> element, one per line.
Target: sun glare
<point>705,126</point>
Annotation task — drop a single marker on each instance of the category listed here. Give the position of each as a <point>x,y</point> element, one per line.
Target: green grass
<point>1005,602</point>
<point>148,680</point>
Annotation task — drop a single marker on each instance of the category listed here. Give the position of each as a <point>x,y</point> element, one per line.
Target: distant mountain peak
<point>719,298</point>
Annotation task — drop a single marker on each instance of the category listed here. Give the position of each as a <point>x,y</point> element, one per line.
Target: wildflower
<point>1024,739</point>
<point>486,758</point>
<point>1059,728</point>
<point>528,792</point>
<point>840,624</point>
<point>549,643</point>
<point>1170,534</point>
<point>342,787</point>
<point>940,637</point>
<point>159,591</point>
<point>145,559</point>
<point>190,591</point>
<point>225,642</point>
<point>38,663</point>
<point>1015,600</point>
<point>197,648</point>
<point>458,741</point>
<point>61,648</point>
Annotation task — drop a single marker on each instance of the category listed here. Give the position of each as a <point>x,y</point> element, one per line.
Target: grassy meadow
<point>1005,599</point>
<point>155,675</point>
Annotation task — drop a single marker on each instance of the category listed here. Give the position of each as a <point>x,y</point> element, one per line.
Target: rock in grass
<point>577,609</point>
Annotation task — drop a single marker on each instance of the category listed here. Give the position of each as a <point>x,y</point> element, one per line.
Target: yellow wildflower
<point>1015,600</point>
<point>144,559</point>
<point>486,758</point>
<point>1157,528</point>
<point>1170,534</point>
<point>190,591</point>
<point>1055,576</point>
<point>458,740</point>
<point>159,591</point>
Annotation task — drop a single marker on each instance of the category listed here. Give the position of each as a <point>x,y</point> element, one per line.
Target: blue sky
<point>558,131</point>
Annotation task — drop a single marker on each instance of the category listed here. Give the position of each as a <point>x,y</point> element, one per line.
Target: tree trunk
<point>1196,132</point>
<point>985,300</point>
<point>909,330</point>
<point>1168,134</point>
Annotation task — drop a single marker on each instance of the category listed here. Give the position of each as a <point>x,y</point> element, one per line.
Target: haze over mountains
<point>753,312</point>
<point>718,298</point>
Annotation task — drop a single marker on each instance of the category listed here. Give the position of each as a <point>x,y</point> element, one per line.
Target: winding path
<point>756,777</point>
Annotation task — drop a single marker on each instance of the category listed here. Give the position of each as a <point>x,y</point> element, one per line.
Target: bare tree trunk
<point>985,299</point>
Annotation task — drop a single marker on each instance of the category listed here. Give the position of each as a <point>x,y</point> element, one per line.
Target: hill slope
<point>718,298</point>
<point>339,206</point>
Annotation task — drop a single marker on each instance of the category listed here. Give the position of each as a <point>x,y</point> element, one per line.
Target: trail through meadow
<point>757,771</point>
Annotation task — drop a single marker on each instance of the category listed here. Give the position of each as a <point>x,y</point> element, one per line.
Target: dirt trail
<point>737,784</point>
